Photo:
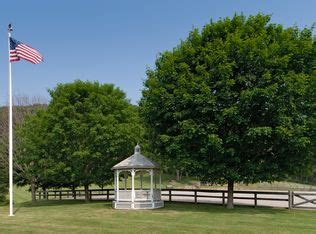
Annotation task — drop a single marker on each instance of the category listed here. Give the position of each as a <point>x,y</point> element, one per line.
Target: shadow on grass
<point>56,203</point>
<point>169,206</point>
<point>216,208</point>
<point>60,203</point>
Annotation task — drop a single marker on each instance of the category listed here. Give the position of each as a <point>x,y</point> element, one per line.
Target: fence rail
<point>253,196</point>
<point>290,199</point>
<point>74,194</point>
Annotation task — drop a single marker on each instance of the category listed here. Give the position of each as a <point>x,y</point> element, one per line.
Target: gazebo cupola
<point>144,178</point>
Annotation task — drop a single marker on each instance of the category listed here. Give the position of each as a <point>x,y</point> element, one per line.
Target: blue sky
<point>114,41</point>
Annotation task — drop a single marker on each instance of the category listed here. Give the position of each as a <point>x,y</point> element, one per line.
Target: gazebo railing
<point>140,195</point>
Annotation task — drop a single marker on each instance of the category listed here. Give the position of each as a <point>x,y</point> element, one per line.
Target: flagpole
<point>10,130</point>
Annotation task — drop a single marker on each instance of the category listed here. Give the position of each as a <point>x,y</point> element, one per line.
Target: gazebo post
<point>151,186</point>
<point>125,180</point>
<point>133,188</point>
<point>141,180</point>
<point>155,174</point>
<point>117,185</point>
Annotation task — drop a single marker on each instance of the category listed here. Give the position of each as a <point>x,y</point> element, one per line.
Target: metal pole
<point>10,130</point>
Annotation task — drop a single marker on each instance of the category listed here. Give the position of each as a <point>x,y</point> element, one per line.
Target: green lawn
<point>74,216</point>
<point>99,217</point>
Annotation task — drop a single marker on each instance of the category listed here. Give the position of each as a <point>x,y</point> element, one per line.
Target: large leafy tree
<point>86,129</point>
<point>313,103</point>
<point>232,103</point>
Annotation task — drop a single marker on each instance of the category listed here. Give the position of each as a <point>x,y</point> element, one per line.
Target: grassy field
<point>99,217</point>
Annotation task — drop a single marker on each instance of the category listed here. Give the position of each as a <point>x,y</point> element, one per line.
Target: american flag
<point>19,50</point>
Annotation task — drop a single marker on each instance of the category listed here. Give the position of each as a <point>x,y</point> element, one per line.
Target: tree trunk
<point>45,193</point>
<point>230,198</point>
<point>178,175</point>
<point>86,193</point>
<point>33,190</point>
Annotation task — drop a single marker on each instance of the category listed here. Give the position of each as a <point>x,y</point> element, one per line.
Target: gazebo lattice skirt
<point>137,205</point>
<point>142,200</point>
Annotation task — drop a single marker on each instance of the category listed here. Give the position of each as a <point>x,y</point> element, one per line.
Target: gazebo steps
<point>137,205</point>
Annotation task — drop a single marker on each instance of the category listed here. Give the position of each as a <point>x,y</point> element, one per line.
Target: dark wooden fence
<point>254,196</point>
<point>195,196</point>
<point>103,194</point>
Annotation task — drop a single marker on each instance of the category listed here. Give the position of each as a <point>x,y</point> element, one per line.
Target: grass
<point>99,217</point>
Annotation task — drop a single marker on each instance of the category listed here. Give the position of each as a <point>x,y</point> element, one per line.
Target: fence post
<point>290,196</point>
<point>170,195</point>
<point>223,198</point>
<point>55,194</point>
<point>107,194</point>
<point>293,193</point>
<point>75,194</point>
<point>59,195</point>
<point>195,197</point>
<point>39,195</point>
<point>90,195</point>
<point>255,199</point>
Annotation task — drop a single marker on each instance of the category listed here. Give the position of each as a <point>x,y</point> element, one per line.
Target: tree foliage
<point>86,129</point>
<point>232,102</point>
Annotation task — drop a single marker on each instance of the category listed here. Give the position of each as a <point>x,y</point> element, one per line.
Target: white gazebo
<point>143,196</point>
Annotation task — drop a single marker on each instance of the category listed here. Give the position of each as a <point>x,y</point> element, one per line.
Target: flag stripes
<point>19,51</point>
<point>13,56</point>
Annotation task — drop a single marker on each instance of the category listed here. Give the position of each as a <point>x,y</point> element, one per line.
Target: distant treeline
<point>22,110</point>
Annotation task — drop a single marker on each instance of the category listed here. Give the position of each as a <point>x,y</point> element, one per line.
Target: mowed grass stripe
<point>99,217</point>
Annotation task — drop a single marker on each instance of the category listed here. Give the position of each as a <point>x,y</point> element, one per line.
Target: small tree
<point>232,102</point>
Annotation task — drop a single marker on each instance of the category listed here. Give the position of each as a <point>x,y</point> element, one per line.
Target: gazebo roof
<point>136,161</point>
